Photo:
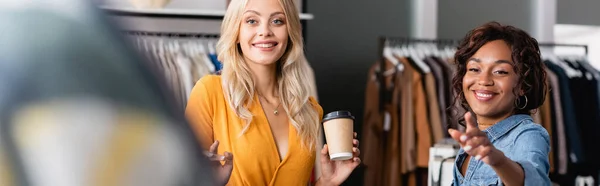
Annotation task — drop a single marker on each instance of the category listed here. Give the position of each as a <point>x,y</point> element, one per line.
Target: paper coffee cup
<point>339,133</point>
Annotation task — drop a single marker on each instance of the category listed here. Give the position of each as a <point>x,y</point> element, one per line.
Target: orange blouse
<point>255,155</point>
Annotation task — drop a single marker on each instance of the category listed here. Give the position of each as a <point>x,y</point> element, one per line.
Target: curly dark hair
<point>526,63</point>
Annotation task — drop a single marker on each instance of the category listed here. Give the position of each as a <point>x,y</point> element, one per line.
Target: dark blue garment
<point>575,148</point>
<point>584,92</point>
<point>216,62</point>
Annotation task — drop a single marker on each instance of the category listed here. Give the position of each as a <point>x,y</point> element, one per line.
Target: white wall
<point>579,34</point>
<point>183,4</point>
<point>209,26</point>
<point>456,18</point>
<point>177,4</point>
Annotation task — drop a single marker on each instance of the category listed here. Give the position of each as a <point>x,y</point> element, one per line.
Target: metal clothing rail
<point>170,13</point>
<point>404,40</point>
<point>172,34</point>
<point>393,41</point>
<point>585,47</point>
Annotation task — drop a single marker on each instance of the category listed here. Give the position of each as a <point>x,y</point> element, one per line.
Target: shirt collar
<point>501,128</point>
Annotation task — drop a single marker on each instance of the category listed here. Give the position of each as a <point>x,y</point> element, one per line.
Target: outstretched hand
<point>476,143</point>
<point>223,170</point>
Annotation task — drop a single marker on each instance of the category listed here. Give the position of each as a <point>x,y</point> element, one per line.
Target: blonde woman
<point>259,109</point>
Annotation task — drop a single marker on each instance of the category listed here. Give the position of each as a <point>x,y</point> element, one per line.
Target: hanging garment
<point>577,157</point>
<point>186,76</point>
<point>201,68</point>
<point>440,84</point>
<point>559,142</point>
<point>422,122</point>
<point>433,110</point>
<point>588,113</point>
<point>216,62</point>
<point>381,127</point>
<point>409,149</point>
<point>448,71</point>
<point>544,113</point>
<point>595,73</point>
<point>182,62</point>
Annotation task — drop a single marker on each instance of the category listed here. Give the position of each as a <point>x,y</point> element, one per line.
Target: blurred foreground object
<point>149,4</point>
<point>78,107</point>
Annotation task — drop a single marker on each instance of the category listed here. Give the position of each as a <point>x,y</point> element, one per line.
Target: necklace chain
<point>276,110</point>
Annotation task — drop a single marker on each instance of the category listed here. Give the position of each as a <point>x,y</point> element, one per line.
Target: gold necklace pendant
<point>276,110</point>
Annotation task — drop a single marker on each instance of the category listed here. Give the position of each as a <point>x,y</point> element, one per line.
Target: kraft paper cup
<point>339,133</point>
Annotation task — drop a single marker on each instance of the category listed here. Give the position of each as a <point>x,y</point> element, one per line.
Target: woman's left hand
<point>336,172</point>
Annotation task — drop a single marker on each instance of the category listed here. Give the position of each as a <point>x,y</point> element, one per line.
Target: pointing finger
<point>213,148</point>
<point>471,122</point>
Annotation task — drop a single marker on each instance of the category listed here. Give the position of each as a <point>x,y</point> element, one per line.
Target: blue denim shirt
<point>519,139</point>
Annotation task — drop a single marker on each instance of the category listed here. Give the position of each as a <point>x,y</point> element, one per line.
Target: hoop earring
<point>517,103</point>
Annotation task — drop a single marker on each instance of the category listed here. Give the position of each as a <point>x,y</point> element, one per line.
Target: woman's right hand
<point>223,171</point>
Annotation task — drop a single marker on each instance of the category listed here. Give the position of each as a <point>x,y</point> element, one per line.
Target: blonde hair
<point>292,72</point>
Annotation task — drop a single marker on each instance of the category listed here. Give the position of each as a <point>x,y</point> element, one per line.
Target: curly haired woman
<point>500,81</point>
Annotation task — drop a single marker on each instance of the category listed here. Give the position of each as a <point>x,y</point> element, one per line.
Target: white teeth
<point>484,95</point>
<point>265,45</point>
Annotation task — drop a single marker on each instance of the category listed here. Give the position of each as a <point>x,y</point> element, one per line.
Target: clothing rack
<point>172,34</point>
<point>564,45</point>
<point>385,40</point>
<point>406,40</point>
<point>181,57</point>
<point>394,41</point>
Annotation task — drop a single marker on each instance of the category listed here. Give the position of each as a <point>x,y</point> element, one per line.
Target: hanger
<point>426,50</point>
<point>171,47</point>
<point>388,54</point>
<point>434,49</point>
<point>419,50</point>
<point>418,61</point>
<point>177,47</point>
<point>207,61</point>
<point>193,49</point>
<point>396,53</point>
<point>450,52</point>
<point>584,181</point>
<point>146,48</point>
<point>405,50</point>
<point>138,43</point>
<point>397,50</point>
<point>161,46</point>
<point>571,72</point>
<point>422,52</point>
<point>211,48</point>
